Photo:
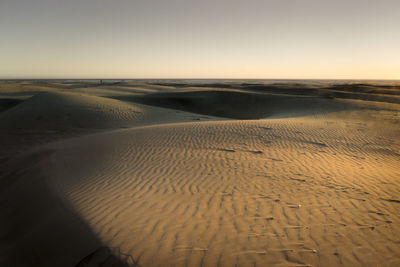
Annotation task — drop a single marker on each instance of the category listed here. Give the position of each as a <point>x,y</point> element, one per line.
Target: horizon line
<point>99,78</point>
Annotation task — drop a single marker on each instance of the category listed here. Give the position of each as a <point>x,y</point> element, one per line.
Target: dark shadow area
<point>7,103</point>
<point>36,227</point>
<point>104,256</point>
<point>357,91</point>
<point>237,105</point>
<point>366,88</point>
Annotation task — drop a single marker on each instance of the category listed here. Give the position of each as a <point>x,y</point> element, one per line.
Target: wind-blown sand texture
<point>178,174</point>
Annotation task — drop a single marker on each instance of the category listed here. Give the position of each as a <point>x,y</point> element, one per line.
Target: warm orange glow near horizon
<point>184,39</point>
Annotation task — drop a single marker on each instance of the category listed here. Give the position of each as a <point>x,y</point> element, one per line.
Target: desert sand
<point>177,174</point>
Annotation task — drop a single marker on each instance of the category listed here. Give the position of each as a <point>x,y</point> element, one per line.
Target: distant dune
<point>368,92</point>
<point>238,104</point>
<point>64,110</point>
<point>183,174</point>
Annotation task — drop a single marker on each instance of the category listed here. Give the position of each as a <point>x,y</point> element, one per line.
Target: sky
<point>276,39</point>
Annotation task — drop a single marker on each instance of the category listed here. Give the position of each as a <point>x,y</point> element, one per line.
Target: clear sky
<point>346,39</point>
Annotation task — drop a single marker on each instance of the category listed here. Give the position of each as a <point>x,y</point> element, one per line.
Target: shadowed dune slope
<point>50,110</point>
<point>49,116</point>
<point>7,103</point>
<point>36,227</point>
<point>389,93</point>
<point>237,104</point>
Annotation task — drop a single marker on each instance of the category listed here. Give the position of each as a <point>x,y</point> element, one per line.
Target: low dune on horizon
<point>158,173</point>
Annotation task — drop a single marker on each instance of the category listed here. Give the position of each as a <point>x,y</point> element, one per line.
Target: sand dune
<point>7,103</point>
<point>48,110</point>
<point>248,193</point>
<point>271,180</point>
<point>36,228</point>
<point>238,104</point>
<point>369,92</point>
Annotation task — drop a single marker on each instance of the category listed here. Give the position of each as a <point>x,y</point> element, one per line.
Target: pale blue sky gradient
<point>346,39</point>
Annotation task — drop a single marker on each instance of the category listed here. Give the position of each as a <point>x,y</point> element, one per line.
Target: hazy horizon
<point>197,79</point>
<point>286,39</point>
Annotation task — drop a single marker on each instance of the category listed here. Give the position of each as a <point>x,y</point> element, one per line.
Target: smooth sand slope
<point>314,183</point>
<point>66,111</point>
<point>50,115</point>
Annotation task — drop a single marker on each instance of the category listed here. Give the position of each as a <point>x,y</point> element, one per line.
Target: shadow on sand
<point>38,229</point>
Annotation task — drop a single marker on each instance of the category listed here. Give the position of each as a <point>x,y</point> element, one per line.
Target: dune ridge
<point>50,110</point>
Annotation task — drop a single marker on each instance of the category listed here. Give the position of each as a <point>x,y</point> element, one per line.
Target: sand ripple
<point>290,192</point>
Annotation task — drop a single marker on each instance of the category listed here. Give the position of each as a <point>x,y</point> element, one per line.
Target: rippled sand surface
<point>172,175</point>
